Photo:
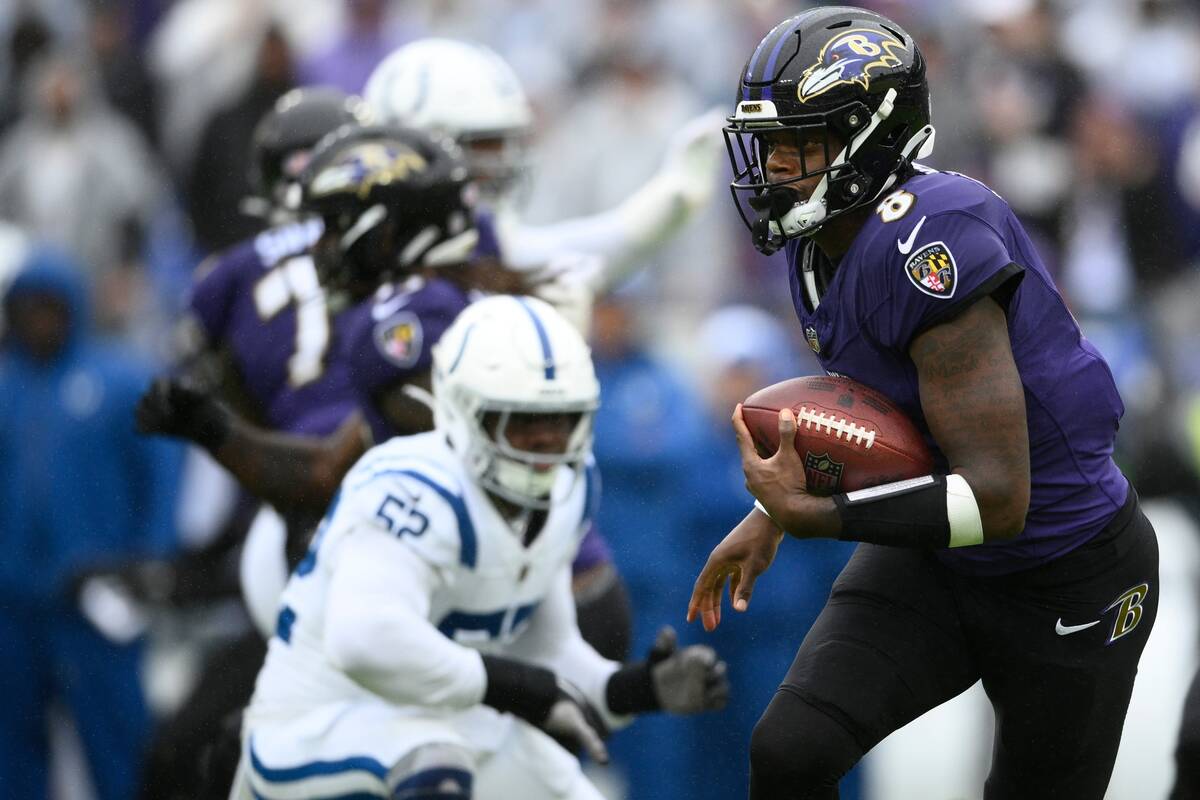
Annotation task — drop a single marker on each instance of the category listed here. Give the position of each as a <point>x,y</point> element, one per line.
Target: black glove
<point>685,681</point>
<point>535,695</point>
<point>174,407</point>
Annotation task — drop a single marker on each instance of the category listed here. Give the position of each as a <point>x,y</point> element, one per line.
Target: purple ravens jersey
<point>263,302</point>
<point>389,339</point>
<point>935,245</point>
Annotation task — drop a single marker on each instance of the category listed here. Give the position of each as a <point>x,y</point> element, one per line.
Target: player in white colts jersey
<point>427,646</point>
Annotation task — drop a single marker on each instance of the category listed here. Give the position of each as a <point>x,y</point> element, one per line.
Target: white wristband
<point>763,509</point>
<point>966,527</point>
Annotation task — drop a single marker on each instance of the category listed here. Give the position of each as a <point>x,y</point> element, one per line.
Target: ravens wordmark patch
<point>932,270</point>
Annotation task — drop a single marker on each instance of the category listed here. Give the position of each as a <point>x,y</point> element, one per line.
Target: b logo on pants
<point>1129,610</point>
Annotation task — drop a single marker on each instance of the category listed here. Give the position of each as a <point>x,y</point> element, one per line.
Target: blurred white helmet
<point>461,90</point>
<point>504,361</point>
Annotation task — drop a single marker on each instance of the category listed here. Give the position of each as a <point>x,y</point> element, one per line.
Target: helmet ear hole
<point>850,121</point>
<point>853,187</point>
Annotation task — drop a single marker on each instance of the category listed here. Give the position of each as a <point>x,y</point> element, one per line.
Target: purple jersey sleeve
<point>593,551</point>
<point>948,261</point>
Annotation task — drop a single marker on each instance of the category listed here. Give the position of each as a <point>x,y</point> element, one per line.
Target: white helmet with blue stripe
<point>506,356</point>
<point>464,91</point>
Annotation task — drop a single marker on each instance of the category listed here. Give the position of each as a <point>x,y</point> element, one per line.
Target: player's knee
<point>434,772</point>
<point>798,751</point>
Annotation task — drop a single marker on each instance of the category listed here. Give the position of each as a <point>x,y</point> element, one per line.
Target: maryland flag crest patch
<point>932,270</point>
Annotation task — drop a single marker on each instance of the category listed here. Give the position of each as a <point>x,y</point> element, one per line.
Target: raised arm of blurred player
<point>622,236</point>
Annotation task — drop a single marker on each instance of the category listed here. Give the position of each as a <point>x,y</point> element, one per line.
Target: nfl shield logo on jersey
<point>821,473</point>
<point>932,270</point>
<point>810,333</point>
<point>399,339</point>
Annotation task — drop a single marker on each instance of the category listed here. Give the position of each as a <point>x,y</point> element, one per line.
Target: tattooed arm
<point>971,395</point>
<point>974,403</point>
<point>296,474</point>
<point>408,407</point>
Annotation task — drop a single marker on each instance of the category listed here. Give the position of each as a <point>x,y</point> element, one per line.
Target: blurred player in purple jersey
<point>380,206</point>
<point>258,332</point>
<point>396,255</point>
<point>1025,560</point>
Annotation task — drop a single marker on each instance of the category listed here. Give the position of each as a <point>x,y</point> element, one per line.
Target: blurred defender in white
<point>467,92</point>
<point>427,646</point>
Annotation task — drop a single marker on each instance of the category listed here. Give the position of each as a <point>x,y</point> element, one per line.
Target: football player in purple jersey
<point>387,204</point>
<point>261,330</point>
<point>1024,561</point>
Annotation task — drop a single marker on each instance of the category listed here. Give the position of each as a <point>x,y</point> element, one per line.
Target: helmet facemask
<point>526,477</point>
<point>499,164</point>
<point>864,153</point>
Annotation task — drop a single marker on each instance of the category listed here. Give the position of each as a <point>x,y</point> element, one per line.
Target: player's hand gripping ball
<point>849,435</point>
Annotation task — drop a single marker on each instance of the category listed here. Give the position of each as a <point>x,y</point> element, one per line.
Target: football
<point>849,435</point>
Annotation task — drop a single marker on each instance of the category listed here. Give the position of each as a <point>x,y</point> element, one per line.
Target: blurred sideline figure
<point>1187,753</point>
<point>745,348</point>
<point>219,173</point>
<point>79,492</point>
<point>426,647</point>
<point>647,430</point>
<point>76,173</point>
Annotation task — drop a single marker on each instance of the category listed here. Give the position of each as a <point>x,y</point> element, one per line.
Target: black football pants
<point>902,634</point>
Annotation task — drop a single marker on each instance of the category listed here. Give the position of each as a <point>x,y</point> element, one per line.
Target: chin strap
<point>799,218</point>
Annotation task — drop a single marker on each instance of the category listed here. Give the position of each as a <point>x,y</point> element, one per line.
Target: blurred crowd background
<point>124,146</point>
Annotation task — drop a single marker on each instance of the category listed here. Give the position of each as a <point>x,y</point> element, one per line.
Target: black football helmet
<point>845,77</point>
<point>393,200</point>
<point>285,136</point>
